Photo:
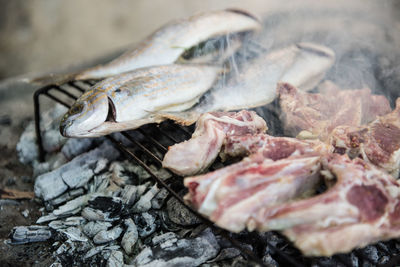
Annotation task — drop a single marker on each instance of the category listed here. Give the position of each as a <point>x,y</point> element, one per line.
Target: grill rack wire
<point>63,94</point>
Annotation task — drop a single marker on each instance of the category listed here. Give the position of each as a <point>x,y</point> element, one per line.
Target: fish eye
<point>75,109</point>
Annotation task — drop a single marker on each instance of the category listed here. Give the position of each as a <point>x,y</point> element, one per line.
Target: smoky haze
<point>365,36</point>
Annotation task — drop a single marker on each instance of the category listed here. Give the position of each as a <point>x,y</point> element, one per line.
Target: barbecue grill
<point>147,145</point>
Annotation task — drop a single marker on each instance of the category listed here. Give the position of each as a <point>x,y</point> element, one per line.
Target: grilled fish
<point>129,100</point>
<point>168,43</point>
<point>303,65</point>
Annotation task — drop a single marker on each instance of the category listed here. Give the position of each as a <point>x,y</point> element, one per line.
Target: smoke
<point>365,36</point>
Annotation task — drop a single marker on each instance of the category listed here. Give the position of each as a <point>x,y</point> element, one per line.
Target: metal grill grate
<point>148,144</point>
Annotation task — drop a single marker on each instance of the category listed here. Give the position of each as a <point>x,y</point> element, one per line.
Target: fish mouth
<point>94,132</point>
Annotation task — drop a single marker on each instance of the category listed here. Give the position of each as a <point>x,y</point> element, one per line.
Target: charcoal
<point>10,181</point>
<point>170,236</point>
<point>97,215</point>
<point>72,206</point>
<point>269,261</point>
<point>146,223</point>
<point>52,140</point>
<point>25,213</point>
<point>70,221</point>
<point>93,251</point>
<point>181,215</point>
<point>92,228</point>
<point>74,234</point>
<point>158,201</point>
<point>100,165</point>
<point>73,174</point>
<point>105,236</point>
<point>166,222</point>
<point>183,252</point>
<point>130,237</point>
<point>371,253</point>
<point>141,189</point>
<point>111,205</point>
<point>144,203</point>
<point>9,202</point>
<point>226,253</point>
<point>116,259</point>
<point>128,194</point>
<point>76,146</point>
<point>163,174</point>
<point>46,218</point>
<point>66,196</point>
<point>30,234</point>
<point>99,183</point>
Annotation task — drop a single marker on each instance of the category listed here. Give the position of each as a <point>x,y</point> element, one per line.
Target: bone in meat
<point>310,115</point>
<point>364,200</point>
<point>229,196</point>
<point>377,142</point>
<point>196,154</point>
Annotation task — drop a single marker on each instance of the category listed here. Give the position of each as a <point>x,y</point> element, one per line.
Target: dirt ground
<point>15,175</point>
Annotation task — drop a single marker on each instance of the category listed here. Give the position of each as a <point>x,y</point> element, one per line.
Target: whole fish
<point>129,100</point>
<point>303,65</point>
<point>168,43</point>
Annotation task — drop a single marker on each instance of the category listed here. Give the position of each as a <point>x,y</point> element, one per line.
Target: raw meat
<point>283,169</point>
<point>309,115</point>
<point>361,208</point>
<point>198,153</point>
<point>377,142</point>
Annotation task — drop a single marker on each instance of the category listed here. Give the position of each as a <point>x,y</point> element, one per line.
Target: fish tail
<point>54,78</point>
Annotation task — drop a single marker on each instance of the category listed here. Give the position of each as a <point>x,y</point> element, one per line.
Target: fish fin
<point>54,78</point>
<point>183,118</point>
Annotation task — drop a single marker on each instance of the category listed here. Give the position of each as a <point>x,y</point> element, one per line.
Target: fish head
<point>87,113</point>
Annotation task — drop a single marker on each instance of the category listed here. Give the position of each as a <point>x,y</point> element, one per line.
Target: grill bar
<point>140,151</point>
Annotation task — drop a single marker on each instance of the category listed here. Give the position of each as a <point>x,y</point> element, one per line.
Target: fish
<point>130,100</point>
<point>303,65</point>
<point>167,44</point>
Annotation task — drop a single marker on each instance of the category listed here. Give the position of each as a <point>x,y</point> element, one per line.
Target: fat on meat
<point>231,195</point>
<point>377,142</point>
<point>315,115</point>
<point>198,153</point>
<point>272,147</point>
<point>361,208</point>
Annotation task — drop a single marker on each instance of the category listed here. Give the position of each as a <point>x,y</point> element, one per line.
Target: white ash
<point>52,140</point>
<point>144,203</point>
<point>29,234</point>
<point>73,174</point>
<point>25,213</point>
<point>74,234</point>
<point>71,194</point>
<point>183,252</point>
<point>108,212</point>
<point>158,201</point>
<point>93,227</point>
<point>105,236</point>
<point>128,194</point>
<point>116,259</point>
<point>146,223</point>
<point>74,147</point>
<point>130,237</point>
